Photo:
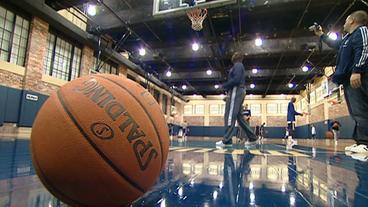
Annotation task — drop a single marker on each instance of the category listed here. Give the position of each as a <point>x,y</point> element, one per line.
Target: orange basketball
<point>100,140</point>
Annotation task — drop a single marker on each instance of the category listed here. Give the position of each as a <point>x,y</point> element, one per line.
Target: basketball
<point>100,140</point>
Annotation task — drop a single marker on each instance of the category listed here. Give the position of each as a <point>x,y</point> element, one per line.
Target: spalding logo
<point>102,131</point>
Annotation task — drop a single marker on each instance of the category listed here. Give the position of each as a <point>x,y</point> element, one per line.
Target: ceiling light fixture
<point>184,87</point>
<point>254,70</point>
<point>290,85</point>
<point>195,46</point>
<point>142,52</point>
<point>217,86</point>
<point>252,85</point>
<point>91,9</point>
<point>209,72</point>
<point>305,68</point>
<point>332,35</point>
<point>259,42</point>
<point>168,73</point>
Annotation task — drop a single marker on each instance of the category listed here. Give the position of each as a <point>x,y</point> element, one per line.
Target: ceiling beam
<point>143,13</point>
<point>298,45</point>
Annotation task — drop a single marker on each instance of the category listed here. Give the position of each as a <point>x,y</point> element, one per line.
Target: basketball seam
<point>153,123</point>
<point>99,152</point>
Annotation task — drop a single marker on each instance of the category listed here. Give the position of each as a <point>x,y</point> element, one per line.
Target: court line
<point>241,151</point>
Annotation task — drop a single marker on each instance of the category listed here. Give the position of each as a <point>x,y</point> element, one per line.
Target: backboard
<point>166,7</point>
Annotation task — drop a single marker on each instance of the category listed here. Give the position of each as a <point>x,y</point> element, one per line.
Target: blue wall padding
<point>3,96</point>
<point>16,108</point>
<point>12,105</point>
<point>30,108</point>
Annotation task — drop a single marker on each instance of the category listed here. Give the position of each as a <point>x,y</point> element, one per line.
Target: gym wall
<point>25,85</point>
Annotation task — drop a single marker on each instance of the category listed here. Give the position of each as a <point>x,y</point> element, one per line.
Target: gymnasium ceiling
<point>282,24</point>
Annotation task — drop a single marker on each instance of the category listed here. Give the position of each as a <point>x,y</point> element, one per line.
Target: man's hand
<point>355,80</point>
<point>318,31</point>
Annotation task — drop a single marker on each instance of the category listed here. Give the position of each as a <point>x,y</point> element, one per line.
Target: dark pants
<point>233,113</point>
<point>357,101</point>
<point>291,128</point>
<point>234,192</point>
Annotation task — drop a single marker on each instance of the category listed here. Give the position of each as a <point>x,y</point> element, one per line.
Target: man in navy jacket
<point>235,86</point>
<point>351,72</point>
<point>291,113</point>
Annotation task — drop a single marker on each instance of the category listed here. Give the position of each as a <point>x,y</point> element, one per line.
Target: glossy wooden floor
<point>312,173</point>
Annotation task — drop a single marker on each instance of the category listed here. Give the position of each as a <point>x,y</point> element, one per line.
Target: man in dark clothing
<point>261,131</point>
<point>235,86</point>
<point>351,72</point>
<point>335,128</point>
<point>291,113</point>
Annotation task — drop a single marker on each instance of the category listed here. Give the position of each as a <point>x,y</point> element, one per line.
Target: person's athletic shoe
<point>349,153</point>
<point>250,142</point>
<point>360,156</point>
<point>362,148</point>
<point>221,144</point>
<point>348,148</point>
<point>292,142</point>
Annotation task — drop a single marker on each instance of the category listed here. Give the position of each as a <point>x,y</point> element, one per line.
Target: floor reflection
<point>198,174</point>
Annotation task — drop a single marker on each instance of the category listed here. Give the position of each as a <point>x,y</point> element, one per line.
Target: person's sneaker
<point>221,144</point>
<point>349,153</point>
<point>360,157</point>
<point>292,142</point>
<point>348,148</point>
<point>360,149</point>
<point>249,143</point>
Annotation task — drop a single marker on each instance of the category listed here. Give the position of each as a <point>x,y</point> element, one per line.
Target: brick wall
<point>87,61</point>
<point>195,120</point>
<point>36,55</point>
<point>255,120</point>
<point>338,110</point>
<point>11,79</point>
<point>179,112</point>
<point>216,121</point>
<point>301,120</point>
<point>276,121</point>
<point>123,70</point>
<point>317,114</point>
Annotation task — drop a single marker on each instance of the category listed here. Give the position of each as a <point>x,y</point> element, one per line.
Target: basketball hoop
<point>197,17</point>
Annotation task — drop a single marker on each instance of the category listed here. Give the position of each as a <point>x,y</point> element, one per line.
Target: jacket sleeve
<point>295,112</point>
<point>331,43</point>
<point>238,71</point>
<point>360,47</point>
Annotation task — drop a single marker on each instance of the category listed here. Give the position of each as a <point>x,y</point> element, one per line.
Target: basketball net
<point>197,17</point>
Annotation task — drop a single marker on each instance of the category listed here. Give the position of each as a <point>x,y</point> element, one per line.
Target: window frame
<point>105,61</point>
<point>74,45</point>
<point>17,13</point>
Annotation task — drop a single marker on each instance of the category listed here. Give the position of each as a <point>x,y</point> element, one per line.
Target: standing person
<point>247,113</point>
<point>257,131</point>
<point>291,113</point>
<point>313,129</point>
<point>235,86</point>
<point>261,131</point>
<point>185,130</point>
<point>351,72</point>
<point>171,130</point>
<point>335,128</point>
